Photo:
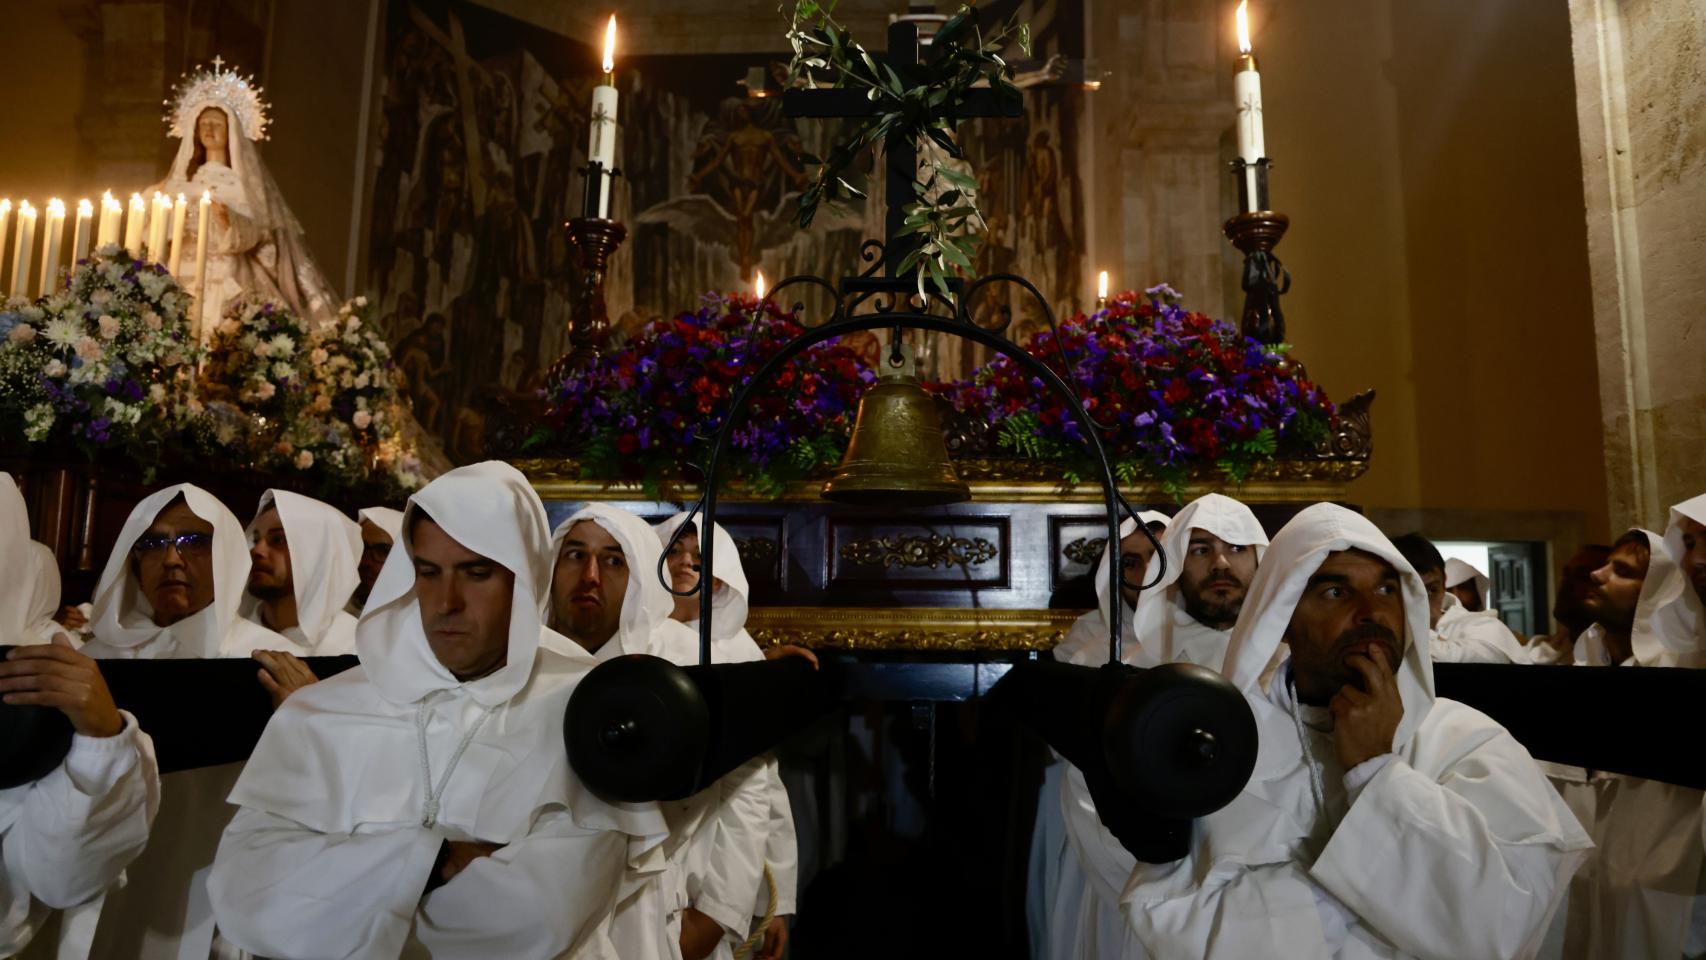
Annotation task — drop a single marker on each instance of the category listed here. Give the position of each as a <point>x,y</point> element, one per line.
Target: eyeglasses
<point>187,544</point>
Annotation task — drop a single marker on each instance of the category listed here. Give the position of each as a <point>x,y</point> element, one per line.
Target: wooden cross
<point>903,160</point>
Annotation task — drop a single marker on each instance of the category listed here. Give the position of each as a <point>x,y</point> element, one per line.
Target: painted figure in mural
<point>746,168</point>
<point>256,245</point>
<point>1044,218</point>
<point>423,358</point>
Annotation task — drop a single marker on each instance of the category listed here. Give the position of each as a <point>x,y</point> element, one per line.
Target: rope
<point>756,937</point>
<point>429,810</point>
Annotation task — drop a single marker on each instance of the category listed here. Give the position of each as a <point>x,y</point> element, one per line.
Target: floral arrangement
<point>322,403</point>
<point>1176,392</point>
<point>105,363</point>
<point>638,412</point>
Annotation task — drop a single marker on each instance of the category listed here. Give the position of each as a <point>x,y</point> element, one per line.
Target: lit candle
<point>52,239</point>
<point>1101,288</point>
<point>80,234</point>
<point>200,263</point>
<point>601,146</point>
<point>5,226</point>
<point>133,225</point>
<point>112,213</point>
<point>179,211</point>
<point>21,249</point>
<point>1247,97</point>
<point>760,286</point>
<point>158,218</point>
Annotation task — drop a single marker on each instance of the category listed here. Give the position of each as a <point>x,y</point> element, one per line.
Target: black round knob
<point>617,733</point>
<point>1200,746</point>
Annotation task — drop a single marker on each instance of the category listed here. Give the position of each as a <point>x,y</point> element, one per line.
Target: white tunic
<point>169,916</point>
<point>1480,637</point>
<point>361,779</point>
<point>67,837</point>
<point>1450,846</point>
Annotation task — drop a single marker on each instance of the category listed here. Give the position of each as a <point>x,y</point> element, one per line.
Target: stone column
<point>1641,109</point>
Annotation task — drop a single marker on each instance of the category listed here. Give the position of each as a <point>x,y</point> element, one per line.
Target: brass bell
<point>896,456</point>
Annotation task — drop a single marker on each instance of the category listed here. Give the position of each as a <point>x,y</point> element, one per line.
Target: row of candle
<point>151,229</point>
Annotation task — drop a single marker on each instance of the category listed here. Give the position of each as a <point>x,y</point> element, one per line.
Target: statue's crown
<point>238,95</point>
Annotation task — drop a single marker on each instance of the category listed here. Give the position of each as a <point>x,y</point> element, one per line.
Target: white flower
<point>157,393</point>
<point>282,371</point>
<point>360,303</point>
<point>100,298</point>
<point>38,422</point>
<point>22,333</point>
<point>109,326</point>
<point>362,380</point>
<point>362,419</point>
<point>283,346</point>
<point>62,333</point>
<point>304,460</point>
<point>318,357</point>
<point>151,320</point>
<point>54,369</point>
<point>353,325</point>
<point>347,381</point>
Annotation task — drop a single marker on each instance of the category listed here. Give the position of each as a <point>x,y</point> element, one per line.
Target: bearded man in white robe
<point>1213,547</point>
<point>1380,820</point>
<point>423,802</point>
<point>66,836</point>
<point>1643,892</point>
<point>1468,584</point>
<point>1459,636</point>
<point>303,558</point>
<point>170,590</point>
<point>777,897</point>
<point>606,596</point>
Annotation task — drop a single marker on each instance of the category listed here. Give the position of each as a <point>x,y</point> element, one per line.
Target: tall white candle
<point>80,235</point>
<point>133,225</point>
<point>200,263</point>
<point>111,215</point>
<point>159,216</point>
<point>5,227</point>
<point>601,142</point>
<point>1102,285</point>
<point>26,238</point>
<point>52,241</point>
<point>1247,97</point>
<point>179,210</point>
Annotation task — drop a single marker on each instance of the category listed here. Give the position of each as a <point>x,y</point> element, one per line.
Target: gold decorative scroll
<point>915,629</point>
<point>914,551</point>
<point>1085,551</point>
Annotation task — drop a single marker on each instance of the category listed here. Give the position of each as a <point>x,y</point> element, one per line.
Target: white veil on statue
<point>261,251</point>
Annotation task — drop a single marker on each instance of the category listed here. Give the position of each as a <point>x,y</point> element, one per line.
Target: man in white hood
<point>30,573</point>
<point>1213,547</point>
<point>1380,821</point>
<point>423,800</point>
<point>1685,541</point>
<point>302,571</point>
<point>1642,894</point>
<point>1059,899</point>
<point>170,590</point>
<point>68,835</point>
<point>381,528</point>
<point>730,643</point>
<point>1458,635</point>
<point>1468,584</point>
<point>606,596</point>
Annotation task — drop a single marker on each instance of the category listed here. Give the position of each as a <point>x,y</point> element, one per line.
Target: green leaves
<point>915,106</point>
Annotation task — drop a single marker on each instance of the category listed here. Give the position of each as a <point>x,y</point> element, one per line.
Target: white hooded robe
<point>325,547</point>
<point>360,779</point>
<point>1450,846</point>
<point>1462,636</point>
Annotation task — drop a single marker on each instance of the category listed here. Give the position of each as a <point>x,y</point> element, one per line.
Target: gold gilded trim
<point>916,629</point>
<point>931,551</point>
<point>1282,481</point>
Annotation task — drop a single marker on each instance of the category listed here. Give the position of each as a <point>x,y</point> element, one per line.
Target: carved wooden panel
<point>959,552</point>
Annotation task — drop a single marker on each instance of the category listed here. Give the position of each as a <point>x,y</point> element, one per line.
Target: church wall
<point>1641,91</point>
<point>39,110</point>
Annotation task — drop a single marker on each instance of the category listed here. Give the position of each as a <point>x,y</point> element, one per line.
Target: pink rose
<point>319,356</point>
<point>89,349</point>
<point>109,326</point>
<point>284,448</point>
<point>304,460</point>
<point>263,349</point>
<point>151,320</point>
<point>362,419</point>
<point>22,333</point>
<point>266,390</point>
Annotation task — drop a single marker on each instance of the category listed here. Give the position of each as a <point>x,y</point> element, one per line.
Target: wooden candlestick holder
<point>594,241</point>
<point>1256,234</point>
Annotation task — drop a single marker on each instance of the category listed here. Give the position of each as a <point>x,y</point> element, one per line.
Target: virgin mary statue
<point>255,244</point>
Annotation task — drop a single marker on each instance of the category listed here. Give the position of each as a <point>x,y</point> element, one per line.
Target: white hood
<point>44,587</point>
<point>1685,618</point>
<point>17,565</point>
<point>385,518</point>
<point>123,618</point>
<point>1656,638</point>
<point>491,509</point>
<point>1297,551</point>
<point>647,604</point>
<point>730,603</point>
<point>325,547</point>
<point>1459,571</point>
<point>1159,609</point>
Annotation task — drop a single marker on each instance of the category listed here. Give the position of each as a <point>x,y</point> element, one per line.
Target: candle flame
<point>1243,26</point>
<point>5,206</point>
<point>761,285</point>
<point>136,199</point>
<point>24,209</point>
<point>1102,285</point>
<point>206,196</point>
<point>85,208</point>
<point>610,45</point>
<point>56,207</point>
<point>180,199</point>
